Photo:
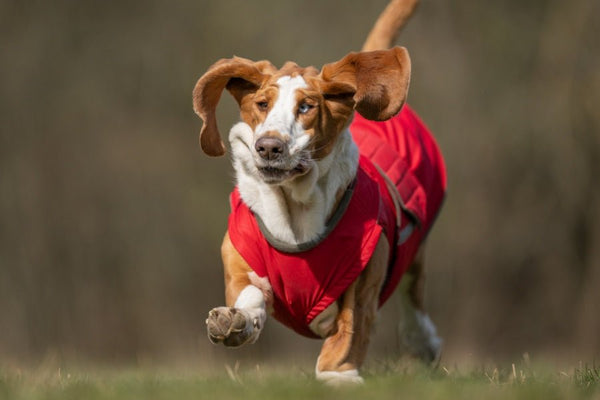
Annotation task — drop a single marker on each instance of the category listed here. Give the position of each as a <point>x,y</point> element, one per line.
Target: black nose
<point>269,147</point>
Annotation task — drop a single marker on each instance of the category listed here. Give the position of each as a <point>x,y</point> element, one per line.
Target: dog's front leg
<point>344,351</point>
<point>242,320</point>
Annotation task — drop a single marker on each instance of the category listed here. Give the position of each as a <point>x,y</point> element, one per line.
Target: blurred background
<point>111,217</point>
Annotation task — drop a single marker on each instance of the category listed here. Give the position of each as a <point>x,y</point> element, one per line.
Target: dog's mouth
<point>272,174</point>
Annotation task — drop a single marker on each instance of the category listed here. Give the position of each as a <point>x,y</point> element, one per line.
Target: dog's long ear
<point>377,81</point>
<point>240,76</point>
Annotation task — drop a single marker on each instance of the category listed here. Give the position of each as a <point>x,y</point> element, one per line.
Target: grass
<point>385,381</point>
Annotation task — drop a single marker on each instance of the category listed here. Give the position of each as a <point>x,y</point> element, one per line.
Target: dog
<point>337,185</point>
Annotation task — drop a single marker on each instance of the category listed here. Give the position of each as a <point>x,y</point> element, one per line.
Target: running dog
<point>337,185</point>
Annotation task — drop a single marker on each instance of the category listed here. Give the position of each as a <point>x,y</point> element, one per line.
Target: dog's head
<point>296,114</point>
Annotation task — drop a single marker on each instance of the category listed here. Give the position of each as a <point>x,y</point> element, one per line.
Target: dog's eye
<point>262,105</point>
<point>303,108</point>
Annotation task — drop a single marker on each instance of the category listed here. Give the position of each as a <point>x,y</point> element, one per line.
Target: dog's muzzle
<point>270,148</point>
<point>274,163</point>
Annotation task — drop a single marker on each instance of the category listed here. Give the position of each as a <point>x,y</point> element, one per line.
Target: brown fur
<point>389,24</point>
<point>236,271</point>
<point>416,277</point>
<point>379,80</point>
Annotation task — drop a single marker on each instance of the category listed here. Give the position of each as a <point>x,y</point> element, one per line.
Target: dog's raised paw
<point>228,326</point>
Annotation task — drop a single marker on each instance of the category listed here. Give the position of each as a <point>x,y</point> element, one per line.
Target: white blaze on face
<point>282,116</point>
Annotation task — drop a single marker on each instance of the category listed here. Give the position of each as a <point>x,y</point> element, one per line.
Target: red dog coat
<point>307,279</point>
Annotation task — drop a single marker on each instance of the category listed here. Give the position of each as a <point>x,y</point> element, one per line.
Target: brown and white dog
<point>294,158</point>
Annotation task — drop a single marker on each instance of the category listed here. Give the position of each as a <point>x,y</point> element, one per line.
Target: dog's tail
<point>389,24</point>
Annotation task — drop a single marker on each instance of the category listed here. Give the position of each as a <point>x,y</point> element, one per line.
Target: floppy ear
<point>377,81</point>
<point>239,76</point>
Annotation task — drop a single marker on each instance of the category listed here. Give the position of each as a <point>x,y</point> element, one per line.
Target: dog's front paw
<point>340,378</point>
<point>230,326</point>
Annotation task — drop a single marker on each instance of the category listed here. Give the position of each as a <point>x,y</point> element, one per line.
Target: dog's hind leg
<point>417,333</point>
<point>246,296</point>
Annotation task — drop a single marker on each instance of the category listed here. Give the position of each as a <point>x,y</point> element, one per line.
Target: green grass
<point>381,382</point>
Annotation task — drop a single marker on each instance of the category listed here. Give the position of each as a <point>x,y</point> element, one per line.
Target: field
<point>233,382</point>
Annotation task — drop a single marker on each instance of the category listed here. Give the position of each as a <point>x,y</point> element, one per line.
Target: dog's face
<point>293,125</point>
<point>295,115</point>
